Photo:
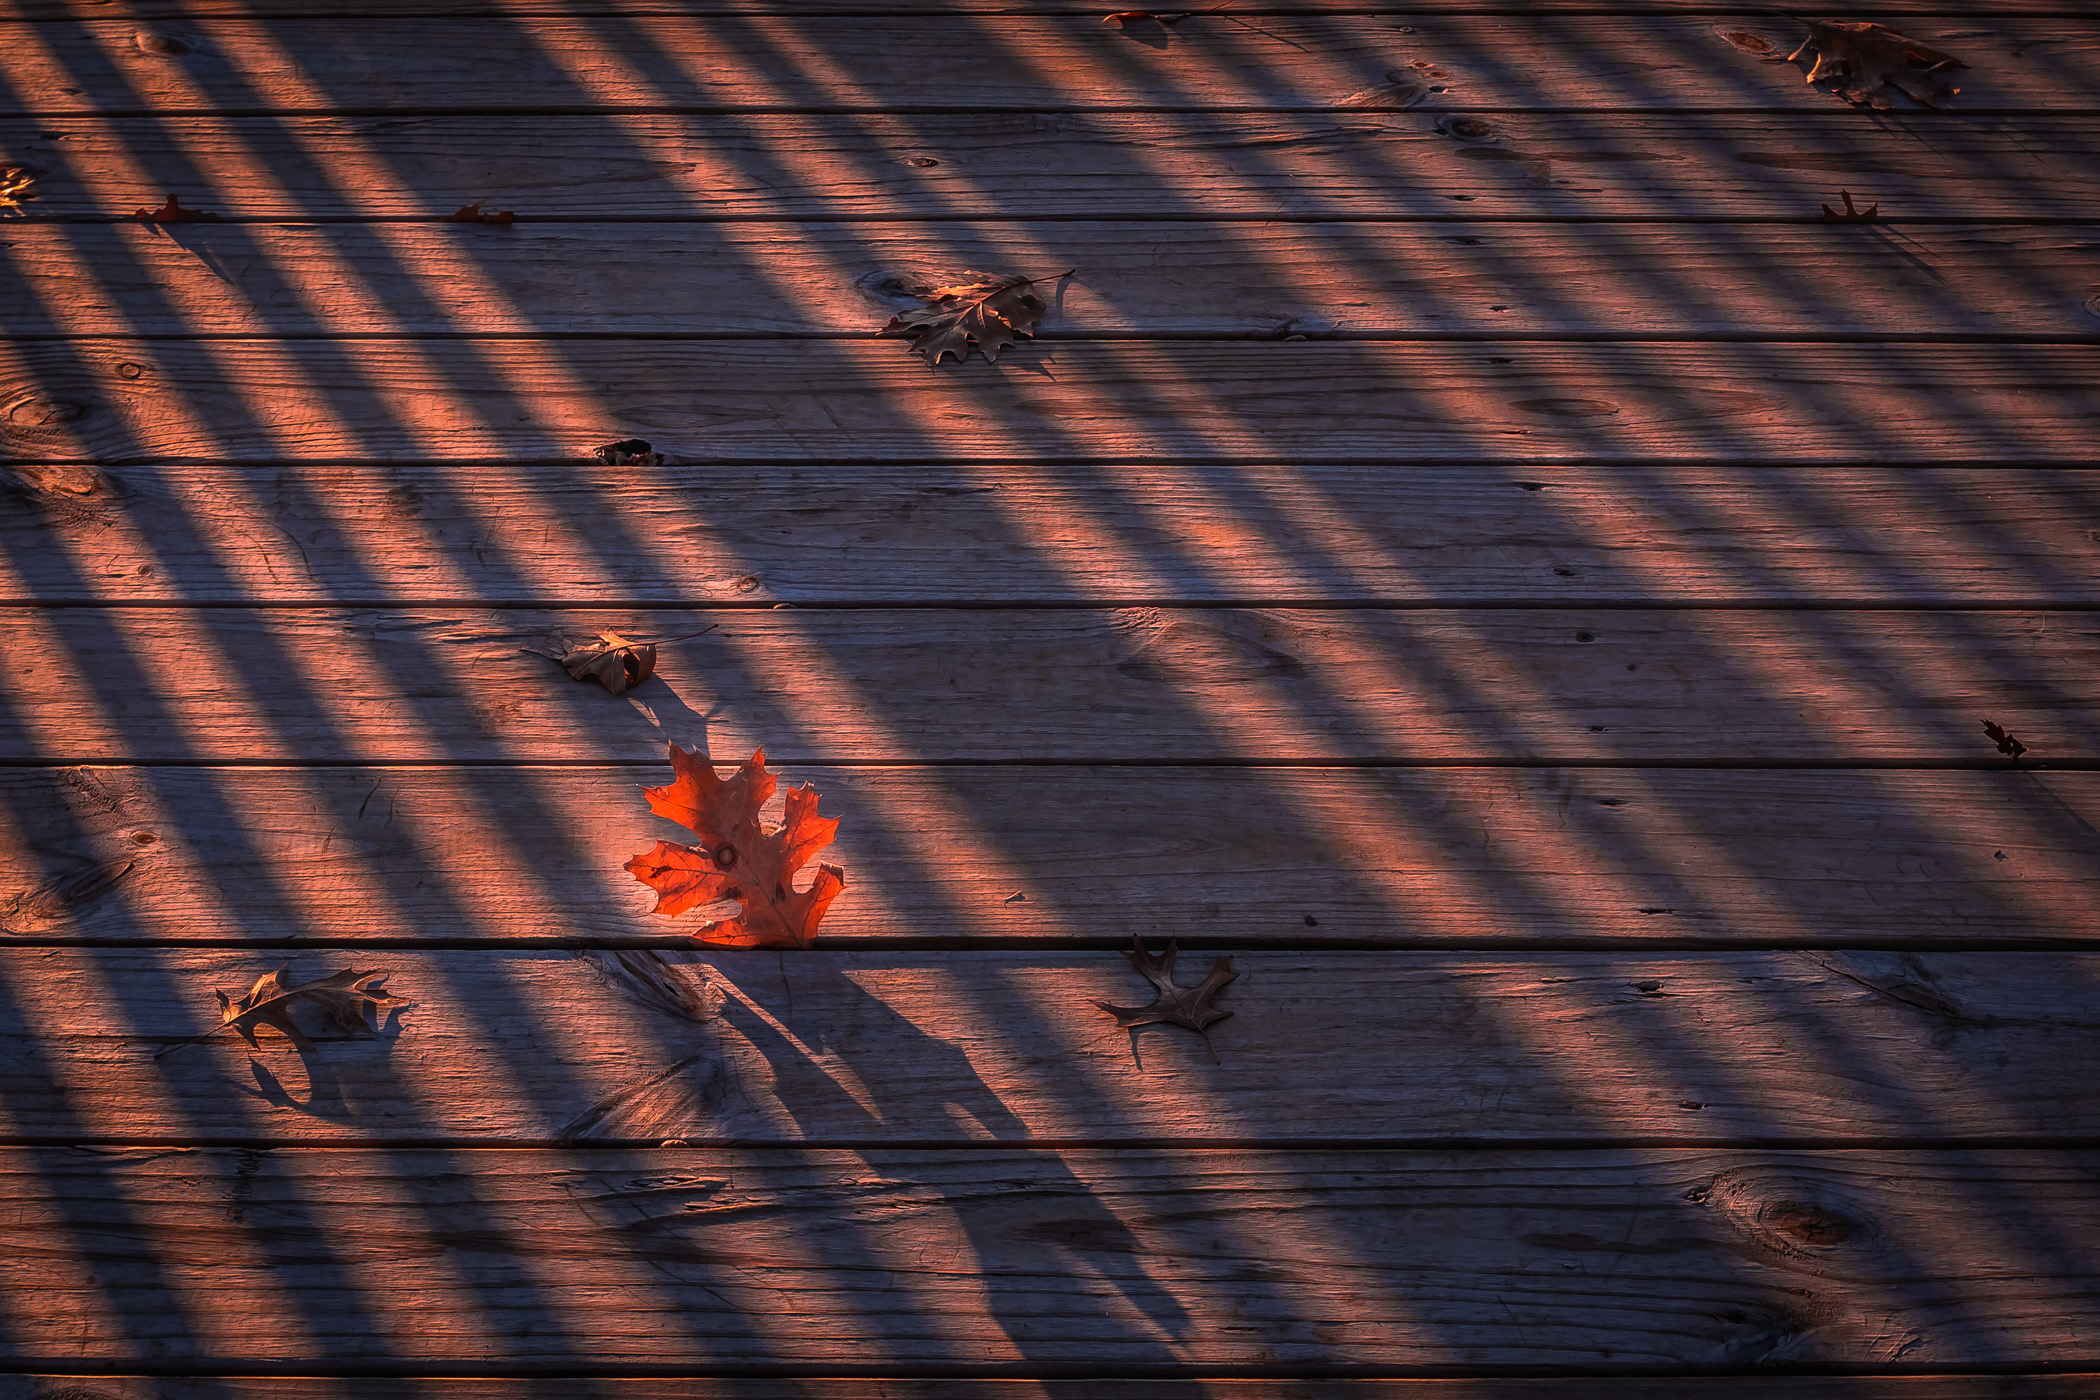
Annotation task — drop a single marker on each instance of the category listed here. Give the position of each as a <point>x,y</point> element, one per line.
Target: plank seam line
<point>1263,336</point>
<point>1634,945</point>
<point>997,217</point>
<point>932,110</point>
<point>1921,764</point>
<point>245,1368</point>
<point>922,460</point>
<point>1052,605</point>
<point>1175,1146</point>
<point>469,11</point>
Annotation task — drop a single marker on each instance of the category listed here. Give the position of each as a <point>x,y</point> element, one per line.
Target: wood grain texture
<point>153,685</point>
<point>46,10</point>
<point>1548,857</point>
<point>884,62</point>
<point>1330,281</point>
<point>1077,1259</point>
<point>953,1047</point>
<point>998,166</point>
<point>922,532</point>
<point>862,401</point>
<point>1794,1385</point>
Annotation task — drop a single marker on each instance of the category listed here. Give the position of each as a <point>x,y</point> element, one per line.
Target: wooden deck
<point>1470,543</point>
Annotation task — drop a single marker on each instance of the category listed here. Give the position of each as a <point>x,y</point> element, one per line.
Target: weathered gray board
<point>1161,685</point>
<point>1622,1260</point>
<point>874,401</point>
<point>879,63</point>
<point>1456,856</point>
<point>757,533</point>
<point>1000,166</point>
<point>1822,1048</point>
<point>1130,279</point>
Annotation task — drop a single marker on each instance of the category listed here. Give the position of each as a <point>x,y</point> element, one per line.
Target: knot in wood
<point>1794,1216</point>
<point>1810,1223</point>
<point>36,415</point>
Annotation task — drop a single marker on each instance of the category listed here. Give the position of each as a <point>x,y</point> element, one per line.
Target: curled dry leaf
<point>738,858</point>
<point>629,452</point>
<point>991,312</point>
<point>612,660</point>
<point>341,997</point>
<point>1865,60</point>
<point>2012,748</point>
<point>471,214</point>
<point>17,183</point>
<point>1174,1006</point>
<point>173,213</point>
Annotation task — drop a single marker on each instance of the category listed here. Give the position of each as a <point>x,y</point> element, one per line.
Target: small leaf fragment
<point>17,183</point>
<point>471,214</point>
<point>1176,1006</point>
<point>341,996</point>
<point>991,312</point>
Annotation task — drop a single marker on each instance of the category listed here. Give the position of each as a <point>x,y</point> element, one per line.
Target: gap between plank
<point>1321,604</point>
<point>1700,765</point>
<point>1645,946</point>
<point>993,218</point>
<point>932,110</point>
<point>1094,338</point>
<point>2026,1143</point>
<point>72,1366</point>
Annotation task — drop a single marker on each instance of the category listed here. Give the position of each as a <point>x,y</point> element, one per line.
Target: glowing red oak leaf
<point>737,858</point>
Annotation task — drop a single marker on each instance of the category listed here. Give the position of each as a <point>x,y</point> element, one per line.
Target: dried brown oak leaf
<point>629,452</point>
<point>993,313</point>
<point>17,183</point>
<point>1175,1006</point>
<point>1865,60</point>
<point>341,997</point>
<point>737,858</point>
<point>616,662</point>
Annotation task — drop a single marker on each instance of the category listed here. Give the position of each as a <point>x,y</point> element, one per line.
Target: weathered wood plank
<point>46,10</point>
<point>994,165</point>
<point>1333,281</point>
<point>886,62</point>
<point>102,685</point>
<point>1550,857</point>
<point>1620,1260</point>
<point>862,401</point>
<point>951,1047</point>
<point>1793,1385</point>
<point>928,532</point>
